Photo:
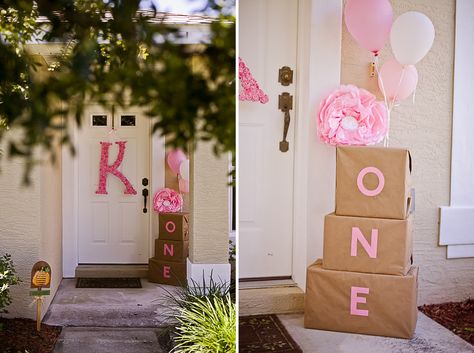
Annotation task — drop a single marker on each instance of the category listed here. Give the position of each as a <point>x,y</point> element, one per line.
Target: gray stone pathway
<point>108,340</point>
<point>430,337</point>
<point>97,320</point>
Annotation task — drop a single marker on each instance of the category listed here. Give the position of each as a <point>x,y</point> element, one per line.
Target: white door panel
<point>112,227</point>
<point>268,33</point>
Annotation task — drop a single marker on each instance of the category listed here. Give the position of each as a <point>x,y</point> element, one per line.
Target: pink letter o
<point>360,183</point>
<point>170,226</point>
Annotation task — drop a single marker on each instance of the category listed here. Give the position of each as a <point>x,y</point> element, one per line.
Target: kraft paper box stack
<point>365,282</point>
<point>171,250</point>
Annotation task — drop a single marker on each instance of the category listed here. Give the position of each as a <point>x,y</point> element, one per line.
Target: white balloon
<point>411,37</point>
<point>184,169</point>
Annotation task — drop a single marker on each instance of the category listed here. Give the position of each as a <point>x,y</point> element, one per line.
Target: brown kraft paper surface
<point>389,249</point>
<point>393,199</point>
<point>171,250</point>
<point>167,272</point>
<point>390,302</point>
<point>173,226</point>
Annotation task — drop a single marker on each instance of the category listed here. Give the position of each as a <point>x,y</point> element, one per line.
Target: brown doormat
<point>265,333</point>
<point>108,283</point>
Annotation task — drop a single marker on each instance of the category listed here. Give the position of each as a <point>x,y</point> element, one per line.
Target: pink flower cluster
<point>105,168</point>
<point>351,116</point>
<point>167,201</point>
<point>250,91</point>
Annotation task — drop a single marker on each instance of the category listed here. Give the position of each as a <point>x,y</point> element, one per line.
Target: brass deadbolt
<point>285,76</point>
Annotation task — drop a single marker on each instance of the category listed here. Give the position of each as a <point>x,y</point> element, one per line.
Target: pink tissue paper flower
<point>167,201</point>
<point>351,116</point>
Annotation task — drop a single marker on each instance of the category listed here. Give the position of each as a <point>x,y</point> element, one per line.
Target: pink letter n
<point>105,168</point>
<point>371,248</point>
<point>168,249</point>
<point>355,299</point>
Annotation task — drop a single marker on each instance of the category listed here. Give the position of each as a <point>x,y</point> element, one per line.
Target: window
<point>457,219</point>
<point>99,120</point>
<point>127,120</point>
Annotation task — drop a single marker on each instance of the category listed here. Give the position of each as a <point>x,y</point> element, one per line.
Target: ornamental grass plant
<point>201,317</point>
<point>206,325</point>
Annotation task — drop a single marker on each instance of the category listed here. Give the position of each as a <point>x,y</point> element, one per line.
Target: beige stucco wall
<point>209,207</point>
<point>425,128</point>
<point>30,227</point>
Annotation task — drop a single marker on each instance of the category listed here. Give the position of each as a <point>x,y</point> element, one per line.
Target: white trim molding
<point>457,220</point>
<point>318,72</point>
<point>200,274</point>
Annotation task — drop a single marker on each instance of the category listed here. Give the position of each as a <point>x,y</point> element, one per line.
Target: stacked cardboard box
<point>365,282</point>
<point>171,250</point>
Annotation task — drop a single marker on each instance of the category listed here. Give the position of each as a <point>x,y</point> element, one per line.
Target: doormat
<point>108,283</point>
<point>265,333</point>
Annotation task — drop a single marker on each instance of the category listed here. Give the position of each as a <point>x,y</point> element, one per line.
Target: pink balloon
<point>183,186</point>
<point>399,81</point>
<point>369,22</point>
<point>174,159</point>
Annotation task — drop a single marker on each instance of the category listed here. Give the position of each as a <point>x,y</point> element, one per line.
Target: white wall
<point>424,128</point>
<point>30,227</point>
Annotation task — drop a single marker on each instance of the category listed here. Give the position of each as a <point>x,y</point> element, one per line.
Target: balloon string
<point>413,96</point>
<point>376,60</point>
<point>398,87</point>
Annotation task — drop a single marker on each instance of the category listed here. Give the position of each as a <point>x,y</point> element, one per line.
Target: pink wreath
<point>167,201</point>
<point>351,116</point>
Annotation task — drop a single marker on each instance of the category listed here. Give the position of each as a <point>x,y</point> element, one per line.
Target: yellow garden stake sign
<point>40,279</point>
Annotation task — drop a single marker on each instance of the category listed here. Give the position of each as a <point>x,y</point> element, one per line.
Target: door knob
<point>145,195</point>
<point>285,104</point>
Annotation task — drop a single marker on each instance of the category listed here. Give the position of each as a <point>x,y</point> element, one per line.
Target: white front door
<point>268,41</point>
<point>112,224</point>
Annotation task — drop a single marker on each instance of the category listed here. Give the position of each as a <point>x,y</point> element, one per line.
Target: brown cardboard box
<point>173,226</point>
<point>373,182</point>
<point>171,250</point>
<point>373,304</point>
<point>167,272</point>
<point>372,245</point>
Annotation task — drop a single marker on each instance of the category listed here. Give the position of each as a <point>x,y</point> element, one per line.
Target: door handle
<point>145,195</point>
<point>285,104</point>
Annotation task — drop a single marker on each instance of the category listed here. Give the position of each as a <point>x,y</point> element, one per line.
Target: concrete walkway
<point>109,307</point>
<point>97,320</point>
<point>430,337</point>
<point>108,340</point>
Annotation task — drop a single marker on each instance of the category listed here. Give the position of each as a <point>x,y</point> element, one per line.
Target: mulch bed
<point>455,316</point>
<point>20,335</point>
<point>265,333</point>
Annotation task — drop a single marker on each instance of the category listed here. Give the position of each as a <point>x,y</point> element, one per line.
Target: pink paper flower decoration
<point>167,201</point>
<point>351,116</point>
<point>250,90</point>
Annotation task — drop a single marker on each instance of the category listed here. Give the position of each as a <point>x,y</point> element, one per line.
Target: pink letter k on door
<point>105,168</point>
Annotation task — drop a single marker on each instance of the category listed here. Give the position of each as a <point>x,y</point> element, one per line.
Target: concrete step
<point>272,300</point>
<point>112,271</point>
<point>110,307</point>
<point>108,340</point>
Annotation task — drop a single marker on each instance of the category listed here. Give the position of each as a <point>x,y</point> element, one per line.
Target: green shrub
<point>206,325</point>
<point>7,278</point>
<point>178,298</point>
